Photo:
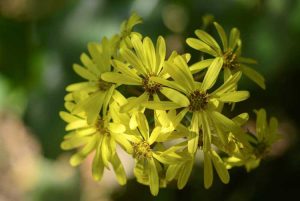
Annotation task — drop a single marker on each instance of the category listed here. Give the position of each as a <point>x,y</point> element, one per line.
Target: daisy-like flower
<point>142,63</point>
<point>100,137</point>
<point>230,53</point>
<point>261,143</point>
<point>195,98</point>
<point>149,154</point>
<point>181,171</point>
<point>99,91</point>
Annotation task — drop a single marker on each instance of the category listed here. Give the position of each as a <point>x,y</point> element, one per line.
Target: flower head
<point>261,143</point>
<point>100,137</point>
<point>230,53</point>
<point>97,90</point>
<point>142,63</point>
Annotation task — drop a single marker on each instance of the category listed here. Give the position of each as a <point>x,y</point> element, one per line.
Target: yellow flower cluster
<point>173,113</point>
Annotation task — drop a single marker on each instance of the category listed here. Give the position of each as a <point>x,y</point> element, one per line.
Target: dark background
<point>39,42</point>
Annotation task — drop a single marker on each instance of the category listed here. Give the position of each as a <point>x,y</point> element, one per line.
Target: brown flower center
<point>230,60</point>
<point>150,86</point>
<point>103,85</point>
<point>198,101</point>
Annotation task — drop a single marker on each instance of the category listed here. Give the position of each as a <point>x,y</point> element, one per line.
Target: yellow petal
<point>196,67</point>
<point>118,169</point>
<point>153,177</point>
<point>160,53</point>
<point>233,97</point>
<point>97,165</point>
<point>120,78</point>
<point>220,167</point>
<point>185,174</point>
<point>254,76</point>
<point>175,96</point>
<point>212,74</point>
<point>135,102</point>
<point>209,40</point>
<point>84,73</point>
<point>208,170</point>
<point>222,35</point>
<point>234,38</point>
<point>201,46</point>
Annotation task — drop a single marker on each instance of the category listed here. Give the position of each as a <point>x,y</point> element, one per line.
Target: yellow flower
<point>261,143</point>
<point>142,63</point>
<point>99,91</point>
<point>230,53</point>
<point>195,98</point>
<point>149,154</point>
<point>100,137</point>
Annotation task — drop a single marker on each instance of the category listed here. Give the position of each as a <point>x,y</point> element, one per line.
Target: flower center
<point>230,60</point>
<point>150,86</point>
<point>261,150</point>
<point>142,150</point>
<point>101,127</point>
<point>198,101</point>
<point>103,85</point>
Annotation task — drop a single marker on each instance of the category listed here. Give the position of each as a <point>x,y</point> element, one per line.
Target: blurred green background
<point>39,42</point>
